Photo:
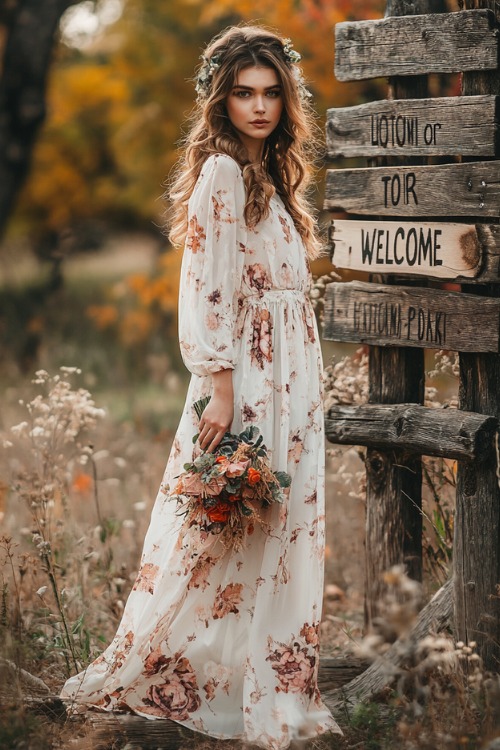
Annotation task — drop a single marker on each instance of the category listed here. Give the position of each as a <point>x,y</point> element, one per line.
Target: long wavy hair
<point>289,152</point>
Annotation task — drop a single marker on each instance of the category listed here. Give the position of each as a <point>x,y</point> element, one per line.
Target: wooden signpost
<point>425,222</point>
<point>425,127</point>
<point>442,251</point>
<point>433,43</point>
<point>468,189</point>
<point>411,316</point>
<point>467,252</point>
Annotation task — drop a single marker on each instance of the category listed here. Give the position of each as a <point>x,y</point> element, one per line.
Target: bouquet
<point>219,491</point>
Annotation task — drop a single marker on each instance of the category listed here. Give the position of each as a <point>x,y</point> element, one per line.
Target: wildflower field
<point>85,435</point>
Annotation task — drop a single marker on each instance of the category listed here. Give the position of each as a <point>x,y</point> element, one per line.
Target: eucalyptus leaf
<point>283,478</point>
<point>200,405</point>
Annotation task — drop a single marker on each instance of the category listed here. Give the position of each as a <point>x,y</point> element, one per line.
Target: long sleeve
<point>212,267</point>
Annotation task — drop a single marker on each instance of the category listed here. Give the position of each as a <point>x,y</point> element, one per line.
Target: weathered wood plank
<point>411,316</point>
<point>470,189</point>
<point>414,45</point>
<point>488,271</point>
<point>413,429</point>
<point>440,250</point>
<point>444,126</point>
<point>434,617</point>
<point>335,671</point>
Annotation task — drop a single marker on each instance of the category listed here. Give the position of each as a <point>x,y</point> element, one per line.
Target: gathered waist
<point>285,295</point>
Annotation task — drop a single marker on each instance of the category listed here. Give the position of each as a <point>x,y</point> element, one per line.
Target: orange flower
<point>220,513</point>
<point>82,483</point>
<point>220,459</point>
<point>233,498</point>
<point>253,476</point>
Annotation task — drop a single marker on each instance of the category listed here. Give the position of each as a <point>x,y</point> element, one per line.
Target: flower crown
<point>211,64</point>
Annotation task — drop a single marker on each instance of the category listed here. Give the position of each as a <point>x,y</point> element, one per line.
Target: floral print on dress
<point>200,576</point>
<point>145,580</point>
<point>249,414</point>
<point>195,235</point>
<point>227,600</point>
<point>177,695</point>
<point>221,213</point>
<point>257,277</point>
<point>219,678</point>
<point>286,229</point>
<point>122,651</point>
<point>262,331</point>
<point>201,640</point>
<point>295,662</point>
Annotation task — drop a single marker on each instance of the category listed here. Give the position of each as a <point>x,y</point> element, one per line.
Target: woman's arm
<point>218,414</point>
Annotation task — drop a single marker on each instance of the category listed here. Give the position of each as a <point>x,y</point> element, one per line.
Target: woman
<point>226,642</point>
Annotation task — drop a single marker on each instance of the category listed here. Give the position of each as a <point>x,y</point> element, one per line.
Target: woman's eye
<point>273,94</point>
<point>242,94</point>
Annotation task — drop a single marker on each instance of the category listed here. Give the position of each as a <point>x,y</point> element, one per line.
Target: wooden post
<point>477,519</point>
<point>396,375</point>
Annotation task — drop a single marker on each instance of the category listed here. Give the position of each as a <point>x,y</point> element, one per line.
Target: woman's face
<point>254,106</point>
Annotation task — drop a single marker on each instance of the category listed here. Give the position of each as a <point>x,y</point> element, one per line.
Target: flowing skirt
<point>227,642</point>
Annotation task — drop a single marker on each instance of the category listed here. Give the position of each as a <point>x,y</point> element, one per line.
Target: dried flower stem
<point>96,491</point>
<point>49,569</point>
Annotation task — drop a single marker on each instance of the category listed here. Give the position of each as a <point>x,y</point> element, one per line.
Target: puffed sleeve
<point>212,267</point>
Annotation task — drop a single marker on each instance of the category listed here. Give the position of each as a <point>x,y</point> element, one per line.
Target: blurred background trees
<point>28,29</point>
<point>116,104</point>
<point>106,130</point>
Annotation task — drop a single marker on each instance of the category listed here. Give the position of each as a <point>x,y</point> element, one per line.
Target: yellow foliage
<point>115,112</point>
<point>142,305</point>
<point>136,326</point>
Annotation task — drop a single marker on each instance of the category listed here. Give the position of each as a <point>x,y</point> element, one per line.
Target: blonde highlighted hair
<point>289,152</point>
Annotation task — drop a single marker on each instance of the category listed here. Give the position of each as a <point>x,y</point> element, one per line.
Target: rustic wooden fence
<point>413,224</point>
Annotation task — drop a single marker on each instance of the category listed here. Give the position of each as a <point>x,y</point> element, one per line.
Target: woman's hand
<point>219,412</point>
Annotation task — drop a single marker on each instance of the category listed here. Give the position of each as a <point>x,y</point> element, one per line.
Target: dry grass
<point>76,489</point>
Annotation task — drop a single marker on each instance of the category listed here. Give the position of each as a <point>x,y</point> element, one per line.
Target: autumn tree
<point>116,109</point>
<point>28,31</point>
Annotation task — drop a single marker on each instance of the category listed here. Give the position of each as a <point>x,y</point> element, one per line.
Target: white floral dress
<point>224,642</point>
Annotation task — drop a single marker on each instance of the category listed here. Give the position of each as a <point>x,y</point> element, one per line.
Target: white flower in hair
<point>291,54</point>
<point>303,90</point>
<point>205,74</point>
<point>294,57</point>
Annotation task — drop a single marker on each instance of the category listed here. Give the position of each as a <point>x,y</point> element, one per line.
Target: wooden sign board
<point>443,126</point>
<point>411,316</point>
<point>440,250</point>
<point>415,45</point>
<point>469,189</point>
